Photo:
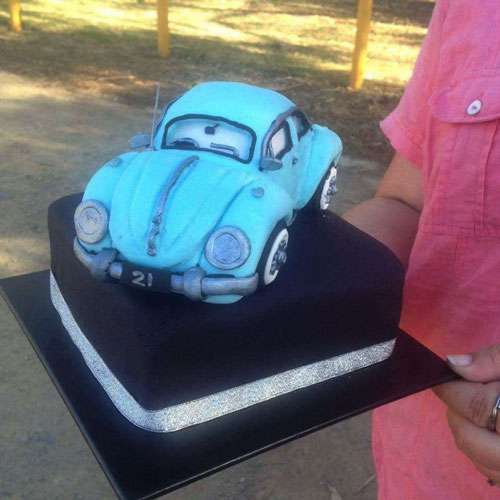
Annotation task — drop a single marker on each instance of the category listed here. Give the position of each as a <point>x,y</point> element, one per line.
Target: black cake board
<point>141,464</point>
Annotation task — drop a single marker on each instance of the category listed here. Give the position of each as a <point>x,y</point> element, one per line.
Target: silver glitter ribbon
<point>201,410</point>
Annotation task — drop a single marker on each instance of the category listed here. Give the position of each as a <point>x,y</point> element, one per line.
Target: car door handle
<point>294,161</point>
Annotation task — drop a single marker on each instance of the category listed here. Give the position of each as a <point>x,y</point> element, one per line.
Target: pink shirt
<point>447,123</point>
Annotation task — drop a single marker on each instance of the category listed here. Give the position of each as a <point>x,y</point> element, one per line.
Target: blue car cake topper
<point>204,208</point>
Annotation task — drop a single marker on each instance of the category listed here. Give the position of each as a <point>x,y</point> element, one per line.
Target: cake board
<point>141,464</point>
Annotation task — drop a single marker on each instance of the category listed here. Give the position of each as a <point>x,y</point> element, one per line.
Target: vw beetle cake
<point>203,208</point>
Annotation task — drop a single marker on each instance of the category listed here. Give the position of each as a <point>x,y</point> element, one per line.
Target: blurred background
<point>75,84</point>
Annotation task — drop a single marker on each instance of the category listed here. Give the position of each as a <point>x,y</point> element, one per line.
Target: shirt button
<point>474,107</point>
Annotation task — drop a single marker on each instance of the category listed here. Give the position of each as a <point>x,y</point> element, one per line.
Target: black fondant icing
<point>339,291</point>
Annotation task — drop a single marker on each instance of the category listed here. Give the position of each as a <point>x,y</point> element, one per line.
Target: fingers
<point>470,406</point>
<point>490,474</point>
<point>480,445</point>
<point>472,401</point>
<point>480,366</point>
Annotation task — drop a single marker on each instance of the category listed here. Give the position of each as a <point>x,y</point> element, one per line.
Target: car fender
<point>102,186</point>
<point>326,148</point>
<point>256,211</point>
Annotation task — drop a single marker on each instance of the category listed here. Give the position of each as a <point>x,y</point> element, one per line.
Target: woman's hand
<point>470,406</point>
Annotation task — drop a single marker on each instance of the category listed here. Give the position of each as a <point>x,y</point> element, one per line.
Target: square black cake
<point>168,363</point>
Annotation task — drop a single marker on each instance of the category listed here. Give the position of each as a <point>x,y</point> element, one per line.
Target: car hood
<point>194,206</point>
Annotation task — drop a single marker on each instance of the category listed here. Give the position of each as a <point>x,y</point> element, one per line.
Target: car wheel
<point>325,190</point>
<point>274,255</point>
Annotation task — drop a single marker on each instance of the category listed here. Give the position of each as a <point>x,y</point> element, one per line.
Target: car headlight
<point>91,221</point>
<point>227,248</point>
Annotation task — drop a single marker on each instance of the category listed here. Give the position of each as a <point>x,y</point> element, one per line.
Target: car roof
<point>252,106</point>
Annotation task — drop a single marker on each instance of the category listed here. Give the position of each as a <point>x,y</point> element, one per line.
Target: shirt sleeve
<point>405,127</point>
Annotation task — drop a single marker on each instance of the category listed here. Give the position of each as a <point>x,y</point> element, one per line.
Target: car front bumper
<point>193,283</point>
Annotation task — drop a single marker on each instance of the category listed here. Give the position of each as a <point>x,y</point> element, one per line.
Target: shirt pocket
<point>465,150</point>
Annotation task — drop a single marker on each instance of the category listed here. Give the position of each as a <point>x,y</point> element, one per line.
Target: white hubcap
<point>329,189</point>
<point>276,257</point>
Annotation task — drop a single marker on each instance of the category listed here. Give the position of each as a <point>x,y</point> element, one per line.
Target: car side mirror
<point>269,163</point>
<point>140,140</point>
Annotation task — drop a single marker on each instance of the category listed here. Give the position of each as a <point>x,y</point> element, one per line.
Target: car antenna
<point>153,127</point>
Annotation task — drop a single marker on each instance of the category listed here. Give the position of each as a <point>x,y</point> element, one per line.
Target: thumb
<point>480,366</point>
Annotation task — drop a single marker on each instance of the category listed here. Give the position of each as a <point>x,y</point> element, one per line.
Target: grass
<point>299,47</point>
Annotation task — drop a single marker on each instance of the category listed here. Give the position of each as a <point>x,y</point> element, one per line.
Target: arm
<point>392,215</point>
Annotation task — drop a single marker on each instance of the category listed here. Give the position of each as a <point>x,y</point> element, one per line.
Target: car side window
<point>302,125</point>
<point>280,142</point>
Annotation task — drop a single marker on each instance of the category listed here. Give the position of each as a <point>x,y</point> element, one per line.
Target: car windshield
<point>210,134</point>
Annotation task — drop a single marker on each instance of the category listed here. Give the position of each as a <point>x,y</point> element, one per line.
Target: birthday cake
<point>208,209</point>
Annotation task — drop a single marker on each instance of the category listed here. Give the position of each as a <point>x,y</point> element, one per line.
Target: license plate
<point>145,277</point>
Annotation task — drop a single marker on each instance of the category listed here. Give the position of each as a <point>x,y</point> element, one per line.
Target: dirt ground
<point>52,141</point>
<point>300,47</point>
<point>74,86</point>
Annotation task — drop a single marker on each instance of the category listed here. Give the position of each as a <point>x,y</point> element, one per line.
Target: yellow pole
<point>15,15</point>
<point>162,8</point>
<point>361,44</point>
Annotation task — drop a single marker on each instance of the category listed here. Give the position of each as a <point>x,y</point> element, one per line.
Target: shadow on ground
<point>73,91</point>
<point>307,60</point>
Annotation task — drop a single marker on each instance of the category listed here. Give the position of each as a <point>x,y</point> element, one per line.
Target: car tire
<point>274,255</point>
<point>323,195</point>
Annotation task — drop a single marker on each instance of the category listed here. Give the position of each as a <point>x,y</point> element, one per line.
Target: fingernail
<point>459,359</point>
